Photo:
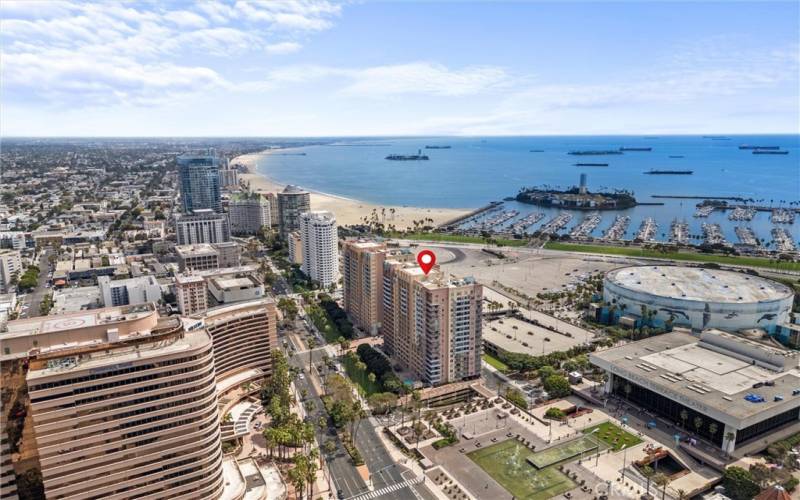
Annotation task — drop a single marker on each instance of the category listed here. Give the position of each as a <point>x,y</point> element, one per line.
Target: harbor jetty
<point>704,210</point>
<point>471,216</point>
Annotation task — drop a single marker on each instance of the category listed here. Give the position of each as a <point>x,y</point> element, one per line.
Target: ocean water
<point>475,171</point>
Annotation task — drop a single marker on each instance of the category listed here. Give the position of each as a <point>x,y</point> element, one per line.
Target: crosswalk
<point>388,489</point>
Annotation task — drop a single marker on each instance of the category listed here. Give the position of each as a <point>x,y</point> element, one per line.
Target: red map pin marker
<point>426,260</point>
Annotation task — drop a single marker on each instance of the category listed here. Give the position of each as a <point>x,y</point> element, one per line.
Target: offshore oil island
<point>577,198</point>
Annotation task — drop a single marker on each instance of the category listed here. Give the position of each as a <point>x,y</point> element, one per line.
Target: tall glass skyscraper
<point>199,180</point>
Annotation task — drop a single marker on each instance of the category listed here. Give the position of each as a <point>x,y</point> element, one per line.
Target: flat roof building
<point>198,177</point>
<point>202,226</point>
<point>320,242</point>
<point>191,294</point>
<point>743,387</point>
<point>131,291</point>
<point>235,289</point>
<point>362,277</point>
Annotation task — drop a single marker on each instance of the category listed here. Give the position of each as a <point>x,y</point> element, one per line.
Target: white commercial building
<point>129,292</point>
<point>249,213</point>
<point>191,295</point>
<point>235,289</point>
<point>10,268</point>
<point>12,239</point>
<point>320,247</point>
<point>202,226</point>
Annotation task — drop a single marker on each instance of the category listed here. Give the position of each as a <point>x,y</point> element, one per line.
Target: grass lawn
<point>457,238</point>
<point>507,463</point>
<point>360,377</point>
<point>496,363</point>
<point>685,256</point>
<point>614,436</point>
<point>323,323</point>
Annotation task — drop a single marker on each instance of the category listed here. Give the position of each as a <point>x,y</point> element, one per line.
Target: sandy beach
<point>349,211</point>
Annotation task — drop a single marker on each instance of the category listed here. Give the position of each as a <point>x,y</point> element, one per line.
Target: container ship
<point>635,149</point>
<point>771,148</point>
<point>669,172</point>
<point>591,164</point>
<point>769,152</point>
<point>596,153</point>
<point>437,147</point>
<point>417,157</point>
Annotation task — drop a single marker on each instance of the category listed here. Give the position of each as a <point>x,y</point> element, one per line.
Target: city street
<point>32,302</point>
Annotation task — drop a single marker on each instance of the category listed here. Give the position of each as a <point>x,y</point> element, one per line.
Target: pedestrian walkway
<point>389,489</point>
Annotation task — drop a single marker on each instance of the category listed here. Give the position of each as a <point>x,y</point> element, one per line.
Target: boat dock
<point>521,225</point>
<point>586,226</point>
<point>746,236</point>
<point>617,229</point>
<point>647,229</point>
<point>704,210</point>
<point>783,240</point>
<point>782,216</point>
<point>555,224</point>
<point>713,234</point>
<point>679,232</point>
<point>492,223</point>
<point>741,213</point>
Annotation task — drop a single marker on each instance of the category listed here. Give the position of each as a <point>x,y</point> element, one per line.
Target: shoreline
<point>348,211</point>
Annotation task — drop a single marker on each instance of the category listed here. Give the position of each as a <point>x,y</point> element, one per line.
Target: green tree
<point>288,307</point>
<point>739,484</point>
<point>557,386</point>
<point>648,472</point>
<point>684,417</point>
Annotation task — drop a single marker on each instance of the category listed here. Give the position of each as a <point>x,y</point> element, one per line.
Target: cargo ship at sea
<point>417,157</point>
<point>769,152</point>
<point>591,164</point>
<point>596,153</point>
<point>747,146</point>
<point>434,146</point>
<point>669,172</point>
<point>635,149</point>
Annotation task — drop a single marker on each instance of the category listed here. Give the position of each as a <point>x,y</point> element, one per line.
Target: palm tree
<point>648,472</point>
<point>712,429</point>
<point>684,416</point>
<point>311,345</point>
<point>698,423</point>
<point>661,480</point>
<point>729,436</point>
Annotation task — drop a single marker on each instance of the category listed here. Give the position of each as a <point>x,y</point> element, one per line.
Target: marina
<point>783,241</point>
<point>782,216</point>
<point>557,223</point>
<point>742,214</point>
<point>712,234</point>
<point>521,225</point>
<point>618,228</point>
<point>679,232</point>
<point>704,210</point>
<point>746,236</point>
<point>647,230</point>
<point>586,226</point>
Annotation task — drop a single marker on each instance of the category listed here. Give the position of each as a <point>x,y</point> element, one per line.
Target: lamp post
<point>624,460</point>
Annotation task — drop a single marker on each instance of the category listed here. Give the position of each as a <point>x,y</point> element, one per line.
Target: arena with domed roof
<point>699,298</point>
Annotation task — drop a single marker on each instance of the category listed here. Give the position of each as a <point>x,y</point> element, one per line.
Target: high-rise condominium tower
<point>198,176</point>
<point>362,273</point>
<point>292,202</point>
<point>320,247</point>
<point>432,324</point>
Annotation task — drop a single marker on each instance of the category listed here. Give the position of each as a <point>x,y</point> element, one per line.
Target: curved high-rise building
<point>245,336</point>
<point>320,242</point>
<point>123,404</point>
<point>292,202</point>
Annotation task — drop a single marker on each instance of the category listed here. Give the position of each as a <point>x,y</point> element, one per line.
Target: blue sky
<point>318,67</point>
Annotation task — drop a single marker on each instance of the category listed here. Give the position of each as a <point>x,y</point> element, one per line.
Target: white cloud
<point>283,48</point>
<point>86,53</point>
<point>387,80</point>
